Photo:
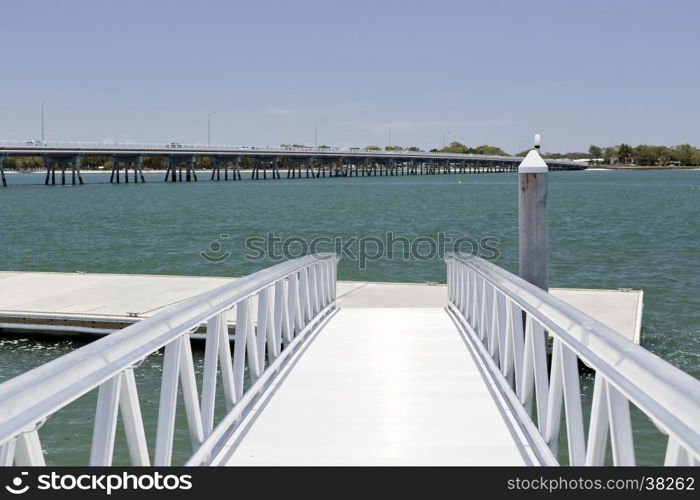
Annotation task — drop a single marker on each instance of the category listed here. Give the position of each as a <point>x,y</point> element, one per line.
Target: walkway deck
<point>379,386</point>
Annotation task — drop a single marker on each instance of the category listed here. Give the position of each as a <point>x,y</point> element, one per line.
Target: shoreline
<point>642,167</point>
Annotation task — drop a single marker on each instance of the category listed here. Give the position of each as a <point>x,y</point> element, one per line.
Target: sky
<point>418,73</point>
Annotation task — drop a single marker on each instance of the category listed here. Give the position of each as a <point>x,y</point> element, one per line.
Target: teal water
<point>608,229</point>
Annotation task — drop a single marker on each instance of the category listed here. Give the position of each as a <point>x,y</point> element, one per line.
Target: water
<point>607,230</point>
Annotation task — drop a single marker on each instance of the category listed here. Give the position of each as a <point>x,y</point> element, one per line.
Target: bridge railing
<point>293,299</point>
<point>176,147</point>
<point>510,324</point>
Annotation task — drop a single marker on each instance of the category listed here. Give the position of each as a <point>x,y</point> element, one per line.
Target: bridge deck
<point>379,386</point>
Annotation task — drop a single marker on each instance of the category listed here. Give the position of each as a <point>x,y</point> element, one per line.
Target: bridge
<point>224,162</point>
<point>492,379</point>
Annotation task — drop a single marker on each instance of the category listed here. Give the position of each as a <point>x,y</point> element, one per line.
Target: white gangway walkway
<point>380,386</point>
<point>308,380</point>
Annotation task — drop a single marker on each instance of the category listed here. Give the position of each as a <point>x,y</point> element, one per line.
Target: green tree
<point>663,155</point>
<point>610,154</point>
<point>203,163</point>
<point>153,163</point>
<point>24,163</point>
<point>683,153</point>
<point>413,148</point>
<point>457,147</point>
<point>486,149</point>
<point>553,156</point>
<point>373,148</point>
<point>595,151</point>
<point>695,159</point>
<point>646,155</point>
<point>91,162</point>
<point>626,153</point>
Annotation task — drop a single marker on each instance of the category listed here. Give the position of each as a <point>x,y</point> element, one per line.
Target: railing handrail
<point>67,378</point>
<point>667,394</point>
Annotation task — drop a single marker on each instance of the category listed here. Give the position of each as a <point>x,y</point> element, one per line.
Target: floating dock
<point>87,303</point>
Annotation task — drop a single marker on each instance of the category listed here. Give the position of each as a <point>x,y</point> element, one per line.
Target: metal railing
<point>39,145</point>
<point>293,299</point>
<point>509,322</point>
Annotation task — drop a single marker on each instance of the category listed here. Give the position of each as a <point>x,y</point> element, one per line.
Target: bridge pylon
<point>2,171</point>
<point>126,162</point>
<point>174,167</point>
<point>62,162</point>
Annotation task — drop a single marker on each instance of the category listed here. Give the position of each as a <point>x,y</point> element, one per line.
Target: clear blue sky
<point>489,71</point>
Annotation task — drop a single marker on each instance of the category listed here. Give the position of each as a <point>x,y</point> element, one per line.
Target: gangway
<point>489,380</point>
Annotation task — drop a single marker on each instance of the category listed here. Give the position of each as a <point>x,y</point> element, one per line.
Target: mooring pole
<point>532,213</point>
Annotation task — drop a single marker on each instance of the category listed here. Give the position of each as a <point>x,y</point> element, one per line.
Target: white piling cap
<point>533,164</point>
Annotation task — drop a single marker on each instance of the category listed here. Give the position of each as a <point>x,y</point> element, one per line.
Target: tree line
<point>646,154</point>
<point>642,155</point>
<point>86,162</point>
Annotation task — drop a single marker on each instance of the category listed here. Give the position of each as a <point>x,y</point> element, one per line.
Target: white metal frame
<point>292,300</point>
<point>510,322</point>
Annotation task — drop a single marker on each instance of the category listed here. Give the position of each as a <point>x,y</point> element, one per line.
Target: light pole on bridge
<point>209,127</point>
<point>43,102</point>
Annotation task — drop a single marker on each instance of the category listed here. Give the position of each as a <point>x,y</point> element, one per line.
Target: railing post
<point>168,401</point>
<point>450,280</point>
<point>330,285</point>
<point>334,272</point>
<point>132,419</point>
<point>28,450</point>
<point>105,426</point>
<point>532,214</point>
<point>211,353</point>
<point>7,453</point>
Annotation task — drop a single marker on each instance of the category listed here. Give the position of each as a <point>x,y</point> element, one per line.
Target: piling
<point>533,239</point>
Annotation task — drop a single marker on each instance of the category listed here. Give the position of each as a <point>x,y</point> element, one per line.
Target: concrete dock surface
<point>102,303</point>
